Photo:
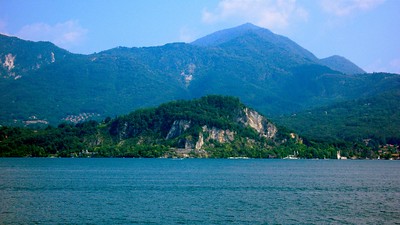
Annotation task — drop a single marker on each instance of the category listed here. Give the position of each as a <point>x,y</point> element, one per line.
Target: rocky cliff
<point>178,128</point>
<point>248,118</point>
<point>198,128</point>
<point>212,126</point>
<point>258,122</point>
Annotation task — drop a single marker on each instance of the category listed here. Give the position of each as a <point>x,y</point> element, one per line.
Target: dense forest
<point>147,133</point>
<point>374,118</point>
<point>268,72</point>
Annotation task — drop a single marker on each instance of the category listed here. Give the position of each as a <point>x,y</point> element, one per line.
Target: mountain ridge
<point>52,85</point>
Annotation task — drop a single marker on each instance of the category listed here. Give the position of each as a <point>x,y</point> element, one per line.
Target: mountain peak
<point>226,35</point>
<point>248,26</point>
<point>341,64</point>
<point>262,41</point>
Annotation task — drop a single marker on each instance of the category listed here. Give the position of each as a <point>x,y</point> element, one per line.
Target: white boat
<point>291,157</point>
<point>294,156</point>
<point>238,157</point>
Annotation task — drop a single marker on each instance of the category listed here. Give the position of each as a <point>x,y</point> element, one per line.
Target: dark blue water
<point>198,191</point>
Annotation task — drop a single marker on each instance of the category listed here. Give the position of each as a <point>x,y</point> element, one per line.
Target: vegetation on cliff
<point>212,126</point>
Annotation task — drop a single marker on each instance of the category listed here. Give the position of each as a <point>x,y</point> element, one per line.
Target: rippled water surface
<point>198,191</point>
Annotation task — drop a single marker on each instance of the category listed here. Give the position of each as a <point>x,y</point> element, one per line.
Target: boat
<point>238,157</point>
<point>294,156</point>
<point>291,157</point>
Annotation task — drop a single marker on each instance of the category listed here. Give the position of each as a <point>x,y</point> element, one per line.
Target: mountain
<point>212,126</point>
<point>83,87</point>
<point>18,57</point>
<point>42,84</point>
<point>252,41</point>
<point>341,64</point>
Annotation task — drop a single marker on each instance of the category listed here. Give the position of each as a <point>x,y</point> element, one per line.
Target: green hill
<point>212,126</point>
<point>374,118</point>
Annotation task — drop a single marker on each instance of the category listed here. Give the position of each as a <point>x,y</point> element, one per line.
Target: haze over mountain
<point>41,83</point>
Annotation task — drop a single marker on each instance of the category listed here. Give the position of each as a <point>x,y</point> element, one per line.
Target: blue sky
<point>365,31</point>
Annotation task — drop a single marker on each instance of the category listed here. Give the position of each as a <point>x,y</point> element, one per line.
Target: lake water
<point>198,191</point>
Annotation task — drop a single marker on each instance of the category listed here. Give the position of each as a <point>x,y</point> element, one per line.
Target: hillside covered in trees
<point>212,126</point>
<point>376,119</point>
<point>41,83</point>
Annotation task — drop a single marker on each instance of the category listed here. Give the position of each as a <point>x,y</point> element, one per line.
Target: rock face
<point>219,135</point>
<point>8,66</point>
<point>250,118</point>
<point>222,136</point>
<point>9,62</point>
<point>259,123</point>
<point>200,142</point>
<point>177,128</point>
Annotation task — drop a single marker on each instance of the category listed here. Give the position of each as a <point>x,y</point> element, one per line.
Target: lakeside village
<point>385,152</point>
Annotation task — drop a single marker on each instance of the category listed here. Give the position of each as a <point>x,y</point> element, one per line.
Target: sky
<point>367,32</point>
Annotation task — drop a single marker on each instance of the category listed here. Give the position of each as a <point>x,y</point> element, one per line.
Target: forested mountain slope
<point>374,118</point>
<point>212,126</point>
<point>41,84</point>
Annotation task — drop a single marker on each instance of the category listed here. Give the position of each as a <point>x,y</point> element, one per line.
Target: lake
<point>198,191</point>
